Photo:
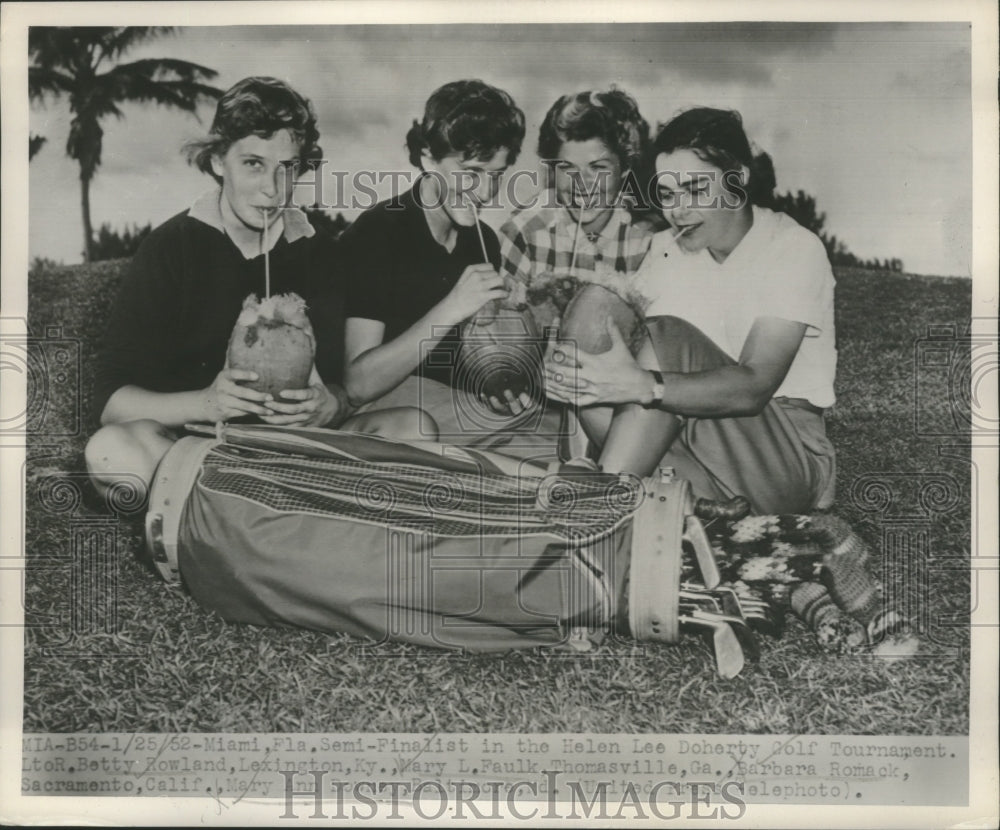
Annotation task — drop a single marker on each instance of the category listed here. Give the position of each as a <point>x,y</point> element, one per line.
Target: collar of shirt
<point>734,266</point>
<point>565,225</point>
<point>753,241</point>
<point>206,209</point>
<point>413,214</point>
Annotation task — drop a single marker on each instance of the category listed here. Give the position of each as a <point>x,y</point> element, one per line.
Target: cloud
<point>713,52</point>
<point>950,75</point>
<point>865,117</point>
<point>369,79</point>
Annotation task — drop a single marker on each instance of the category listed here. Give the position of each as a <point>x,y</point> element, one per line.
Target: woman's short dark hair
<point>258,106</point>
<point>717,136</point>
<point>470,118</point>
<point>612,116</point>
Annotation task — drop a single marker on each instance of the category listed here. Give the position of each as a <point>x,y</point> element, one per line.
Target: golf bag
<point>419,542</point>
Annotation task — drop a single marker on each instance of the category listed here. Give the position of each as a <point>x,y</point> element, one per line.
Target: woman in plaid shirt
<point>590,144</point>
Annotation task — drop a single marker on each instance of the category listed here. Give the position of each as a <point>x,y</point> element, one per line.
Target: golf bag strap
<point>655,570</point>
<point>172,483</point>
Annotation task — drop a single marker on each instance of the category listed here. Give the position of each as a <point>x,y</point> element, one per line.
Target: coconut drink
<point>274,338</point>
<point>585,302</point>
<point>501,351</point>
<point>587,312</point>
<point>552,290</point>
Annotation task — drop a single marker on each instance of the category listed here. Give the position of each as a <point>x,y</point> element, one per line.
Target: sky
<point>873,119</point>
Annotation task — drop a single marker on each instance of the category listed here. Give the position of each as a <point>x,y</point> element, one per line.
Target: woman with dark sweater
<point>423,263</point>
<point>163,361</point>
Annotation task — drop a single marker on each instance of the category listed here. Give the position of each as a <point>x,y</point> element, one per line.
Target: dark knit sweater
<point>180,297</point>
<point>396,272</point>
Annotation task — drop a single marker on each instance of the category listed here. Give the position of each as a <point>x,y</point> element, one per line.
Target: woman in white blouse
<point>732,385</point>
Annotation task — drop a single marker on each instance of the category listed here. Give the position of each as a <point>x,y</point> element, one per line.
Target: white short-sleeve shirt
<point>779,269</point>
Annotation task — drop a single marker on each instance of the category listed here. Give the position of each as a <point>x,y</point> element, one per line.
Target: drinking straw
<point>678,234</point>
<point>479,230</point>
<point>267,259</point>
<point>576,238</point>
<point>494,305</point>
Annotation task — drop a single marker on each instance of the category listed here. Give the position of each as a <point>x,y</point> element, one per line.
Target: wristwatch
<point>658,388</point>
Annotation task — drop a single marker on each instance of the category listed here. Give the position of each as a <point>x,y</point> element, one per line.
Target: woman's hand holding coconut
<point>577,377</point>
<point>274,341</point>
<point>317,405</point>
<point>480,289</point>
<point>226,398</point>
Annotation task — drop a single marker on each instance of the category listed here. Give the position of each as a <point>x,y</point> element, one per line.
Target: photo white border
<point>14,18</point>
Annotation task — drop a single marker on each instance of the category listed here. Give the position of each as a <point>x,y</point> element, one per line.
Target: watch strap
<point>658,387</point>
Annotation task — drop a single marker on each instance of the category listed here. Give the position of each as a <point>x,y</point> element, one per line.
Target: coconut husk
<point>274,338</point>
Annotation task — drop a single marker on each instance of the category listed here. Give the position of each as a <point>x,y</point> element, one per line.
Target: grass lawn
<point>118,651</point>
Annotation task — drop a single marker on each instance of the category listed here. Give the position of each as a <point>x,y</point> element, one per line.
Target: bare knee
<point>426,426</point>
<point>111,442</point>
<point>104,447</point>
<point>126,452</point>
<point>411,424</point>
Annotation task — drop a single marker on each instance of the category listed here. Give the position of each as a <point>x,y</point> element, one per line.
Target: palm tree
<point>35,143</point>
<point>80,62</point>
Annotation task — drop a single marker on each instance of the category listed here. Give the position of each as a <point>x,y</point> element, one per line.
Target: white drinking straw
<point>576,239</point>
<point>678,234</point>
<point>267,259</point>
<point>479,230</point>
<point>494,305</point>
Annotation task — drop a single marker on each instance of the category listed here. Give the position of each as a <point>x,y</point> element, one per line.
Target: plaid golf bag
<point>417,542</point>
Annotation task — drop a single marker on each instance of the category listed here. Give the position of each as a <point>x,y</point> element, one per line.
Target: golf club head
<point>747,639</point>
<point>729,600</point>
<point>696,599</point>
<point>729,658</point>
<point>763,617</point>
<point>723,600</point>
<point>694,533</point>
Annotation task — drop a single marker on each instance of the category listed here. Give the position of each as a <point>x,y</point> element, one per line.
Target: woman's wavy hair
<point>258,106</point>
<point>717,136</point>
<point>612,116</point>
<point>470,118</point>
